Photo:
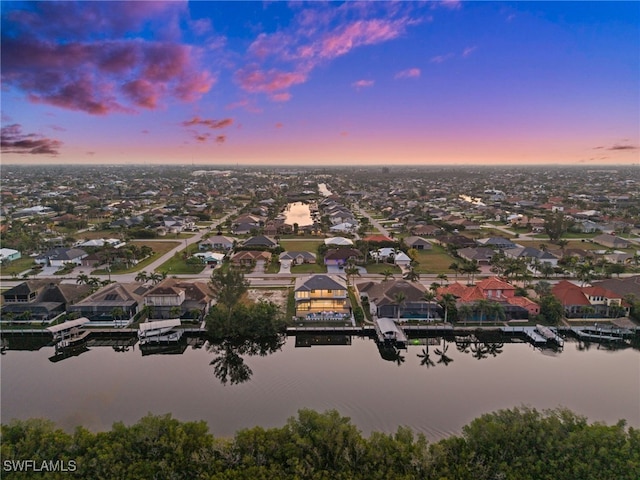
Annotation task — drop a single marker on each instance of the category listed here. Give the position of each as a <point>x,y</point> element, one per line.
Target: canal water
<point>436,395</point>
<point>298,212</point>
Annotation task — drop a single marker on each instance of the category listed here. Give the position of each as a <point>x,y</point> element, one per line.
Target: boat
<point>160,331</point>
<point>546,332</point>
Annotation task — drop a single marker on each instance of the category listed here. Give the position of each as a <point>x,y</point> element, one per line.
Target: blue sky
<point>321,82</point>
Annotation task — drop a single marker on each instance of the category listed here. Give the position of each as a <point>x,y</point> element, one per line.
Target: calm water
<point>101,386</point>
<point>298,212</point>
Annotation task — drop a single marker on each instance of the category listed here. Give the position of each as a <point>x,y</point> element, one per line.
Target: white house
<point>8,255</point>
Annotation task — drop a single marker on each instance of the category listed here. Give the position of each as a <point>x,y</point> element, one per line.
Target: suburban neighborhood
<point>433,246</point>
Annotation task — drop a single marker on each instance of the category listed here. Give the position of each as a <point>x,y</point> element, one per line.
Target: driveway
<point>285,266</point>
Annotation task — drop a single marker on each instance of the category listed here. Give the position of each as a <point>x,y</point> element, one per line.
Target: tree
<point>448,303</point>
<point>386,273</point>
<point>455,266</point>
<point>412,275</point>
<point>428,297</point>
<point>142,277</point>
<point>82,279</point>
<point>465,312</point>
<point>399,299</point>
<point>229,286</point>
<point>350,271</point>
<point>175,311</point>
<point>551,310</point>
<point>482,307</point>
<point>555,225</point>
<point>542,288</point>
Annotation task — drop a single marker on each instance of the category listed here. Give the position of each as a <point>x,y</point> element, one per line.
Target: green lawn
<point>159,249</point>
<point>436,260</point>
<point>381,267</point>
<point>301,245</point>
<point>17,266</point>
<point>309,268</point>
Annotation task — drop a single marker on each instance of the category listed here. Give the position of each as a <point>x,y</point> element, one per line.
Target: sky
<point>320,83</point>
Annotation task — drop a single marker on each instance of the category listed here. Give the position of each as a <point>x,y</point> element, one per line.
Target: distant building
<point>9,255</point>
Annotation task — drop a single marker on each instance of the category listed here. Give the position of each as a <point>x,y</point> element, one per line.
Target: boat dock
<point>535,335</point>
<point>602,333</point>
<point>389,332</point>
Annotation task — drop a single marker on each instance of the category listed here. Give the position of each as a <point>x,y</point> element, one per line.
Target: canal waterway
<point>437,395</point>
<point>298,212</point>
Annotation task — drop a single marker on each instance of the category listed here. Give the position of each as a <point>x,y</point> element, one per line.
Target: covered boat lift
<point>69,333</point>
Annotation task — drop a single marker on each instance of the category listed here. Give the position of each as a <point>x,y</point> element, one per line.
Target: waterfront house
<point>595,301</point>
<point>383,302</point>
<point>324,295</point>
<point>115,304</point>
<point>40,299</point>
<point>173,298</point>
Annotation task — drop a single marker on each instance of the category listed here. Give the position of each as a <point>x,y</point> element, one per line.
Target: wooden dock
<point>533,335</point>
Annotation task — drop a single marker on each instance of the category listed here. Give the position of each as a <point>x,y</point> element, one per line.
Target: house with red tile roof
<point>495,290</point>
<point>576,300</point>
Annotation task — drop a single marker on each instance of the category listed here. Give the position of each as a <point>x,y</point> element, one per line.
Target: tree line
<point>520,443</point>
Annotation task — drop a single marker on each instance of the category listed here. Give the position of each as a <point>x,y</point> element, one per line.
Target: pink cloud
<point>468,51</point>
<point>441,58</point>
<point>254,80</point>
<point>12,140</point>
<point>409,73</point>
<point>208,122</point>
<point>362,84</point>
<point>279,125</point>
<point>220,139</point>
<point>93,73</point>
<point>280,97</point>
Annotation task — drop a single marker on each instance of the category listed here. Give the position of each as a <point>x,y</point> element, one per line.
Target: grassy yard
<point>159,249</point>
<point>178,264</point>
<point>381,267</point>
<point>309,268</point>
<point>17,266</point>
<point>305,245</point>
<point>436,260</point>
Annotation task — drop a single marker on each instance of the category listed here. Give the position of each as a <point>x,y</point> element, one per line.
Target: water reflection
<point>228,364</point>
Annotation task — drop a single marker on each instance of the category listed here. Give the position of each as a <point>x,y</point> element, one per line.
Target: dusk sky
<point>321,83</point>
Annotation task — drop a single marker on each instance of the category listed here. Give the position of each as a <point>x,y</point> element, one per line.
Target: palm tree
<point>443,277</point>
<point>350,271</point>
<point>465,312</point>
<point>155,278</point>
<point>387,273</point>
<point>117,313</point>
<point>142,277</point>
<point>455,266</point>
<point>82,279</point>
<point>412,275</point>
<point>482,307</point>
<point>447,302</point>
<point>497,310</point>
<point>428,297</point>
<point>399,298</point>
<point>175,311</point>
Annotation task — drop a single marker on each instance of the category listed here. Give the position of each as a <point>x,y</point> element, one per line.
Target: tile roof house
<point>340,256</point>
<point>249,257</point>
<point>260,241</point>
<point>383,303</point>
<point>184,299</point>
<point>321,293</point>
<point>41,299</point>
<point>602,302</point>
<point>496,290</point>
<point>418,243</point>
<point>57,257</point>
<point>116,303</point>
<point>216,242</point>
<point>611,241</point>
<point>298,258</point>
